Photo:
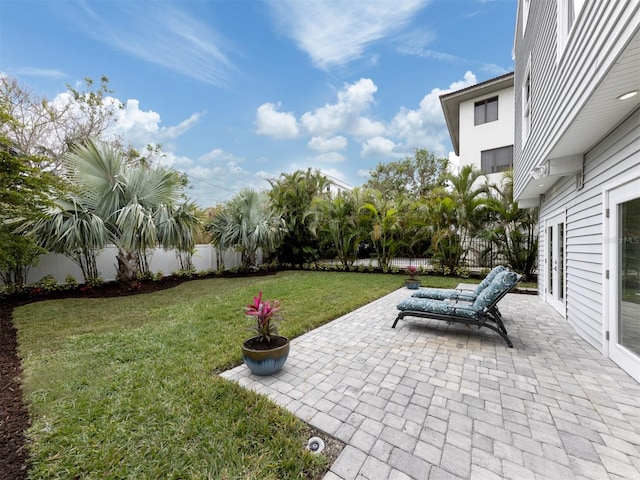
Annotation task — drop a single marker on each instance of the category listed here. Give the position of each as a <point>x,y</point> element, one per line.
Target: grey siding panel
<point>561,197</point>
<point>560,86</point>
<point>615,158</point>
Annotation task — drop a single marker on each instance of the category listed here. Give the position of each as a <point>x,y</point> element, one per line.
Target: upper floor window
<point>497,159</point>
<point>486,111</point>
<point>568,11</point>
<point>573,8</point>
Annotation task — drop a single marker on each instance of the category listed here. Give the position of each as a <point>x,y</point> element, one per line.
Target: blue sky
<point>239,91</point>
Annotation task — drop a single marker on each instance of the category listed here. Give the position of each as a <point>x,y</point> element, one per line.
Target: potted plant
<point>412,282</point>
<point>265,353</point>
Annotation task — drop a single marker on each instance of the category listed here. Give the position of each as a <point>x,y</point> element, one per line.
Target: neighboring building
<point>480,121</point>
<point>577,158</point>
<point>337,186</point>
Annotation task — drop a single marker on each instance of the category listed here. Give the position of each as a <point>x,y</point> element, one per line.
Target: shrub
<point>70,282</point>
<point>184,273</point>
<point>463,272</point>
<point>142,276</point>
<point>94,282</point>
<point>48,283</point>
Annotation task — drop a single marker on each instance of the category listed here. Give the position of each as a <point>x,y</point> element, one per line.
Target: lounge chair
<point>482,312</point>
<point>458,293</point>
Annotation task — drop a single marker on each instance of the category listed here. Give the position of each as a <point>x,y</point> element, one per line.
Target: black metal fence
<point>480,256</point>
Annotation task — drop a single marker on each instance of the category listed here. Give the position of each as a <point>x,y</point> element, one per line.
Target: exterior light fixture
<point>539,172</point>
<point>627,95</point>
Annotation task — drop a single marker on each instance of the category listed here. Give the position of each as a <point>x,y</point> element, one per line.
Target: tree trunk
<point>127,266</point>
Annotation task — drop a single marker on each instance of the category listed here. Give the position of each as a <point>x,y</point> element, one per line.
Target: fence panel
<point>160,260</point>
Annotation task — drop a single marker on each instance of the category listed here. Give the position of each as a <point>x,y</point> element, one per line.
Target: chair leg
<point>396,320</point>
<point>501,333</point>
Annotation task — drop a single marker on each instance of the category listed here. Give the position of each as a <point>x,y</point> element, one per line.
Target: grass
<point>128,387</point>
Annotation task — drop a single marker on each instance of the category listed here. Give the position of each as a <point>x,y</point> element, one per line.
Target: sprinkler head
<point>315,445</point>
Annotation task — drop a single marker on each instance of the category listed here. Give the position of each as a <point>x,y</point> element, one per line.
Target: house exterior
<point>480,120</point>
<point>336,186</point>
<point>577,158</point>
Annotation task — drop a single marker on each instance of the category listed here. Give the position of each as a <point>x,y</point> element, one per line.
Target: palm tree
<point>118,203</point>
<point>469,193</point>
<point>513,230</point>
<point>247,223</point>
<point>338,221</point>
<point>292,195</point>
<point>179,227</point>
<point>441,218</point>
<point>72,229</point>
<point>381,218</point>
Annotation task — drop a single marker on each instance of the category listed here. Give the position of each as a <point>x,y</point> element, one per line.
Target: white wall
<point>476,138</point>
<point>164,261</point>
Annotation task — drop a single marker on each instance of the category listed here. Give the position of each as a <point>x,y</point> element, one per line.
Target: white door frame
<point>613,196</point>
<point>553,284</point>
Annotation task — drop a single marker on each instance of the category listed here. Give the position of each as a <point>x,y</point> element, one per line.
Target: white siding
<point>562,85</point>
<point>617,156</point>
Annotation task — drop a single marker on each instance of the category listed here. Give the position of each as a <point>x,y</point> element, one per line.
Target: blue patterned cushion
<point>501,283</point>
<point>457,294</point>
<point>489,278</point>
<point>444,294</point>
<point>439,307</point>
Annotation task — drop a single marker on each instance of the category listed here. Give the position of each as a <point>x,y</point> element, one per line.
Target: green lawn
<point>128,387</point>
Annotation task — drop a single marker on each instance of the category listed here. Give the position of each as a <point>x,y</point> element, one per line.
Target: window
<point>497,159</point>
<point>568,11</point>
<point>486,111</point>
<point>573,7</point>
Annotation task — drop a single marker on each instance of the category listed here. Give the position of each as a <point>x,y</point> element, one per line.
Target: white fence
<point>165,261</point>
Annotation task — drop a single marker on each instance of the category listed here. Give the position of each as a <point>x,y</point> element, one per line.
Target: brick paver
<point>428,400</point>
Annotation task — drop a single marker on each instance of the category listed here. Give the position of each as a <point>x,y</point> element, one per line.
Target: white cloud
<point>179,162</point>
<point>275,124</point>
<point>218,155</point>
<point>178,130</point>
<point>346,115</point>
<point>414,42</point>
<point>214,184</point>
<point>164,35</point>
<point>363,127</point>
<point>328,157</point>
<point>38,72</point>
<point>139,127</point>
<point>379,147</point>
<point>337,32</point>
<point>320,144</point>
<point>425,127</point>
<point>364,173</point>
<point>494,70</point>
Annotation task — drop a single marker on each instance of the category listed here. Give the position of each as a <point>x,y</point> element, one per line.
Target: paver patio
<point>430,401</point>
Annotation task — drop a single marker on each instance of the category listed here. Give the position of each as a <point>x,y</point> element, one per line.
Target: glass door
<point>555,262</point>
<point>624,277</point>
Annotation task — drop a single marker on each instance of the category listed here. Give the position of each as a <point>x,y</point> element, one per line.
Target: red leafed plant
<point>412,271</point>
<point>265,315</point>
